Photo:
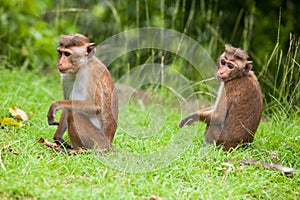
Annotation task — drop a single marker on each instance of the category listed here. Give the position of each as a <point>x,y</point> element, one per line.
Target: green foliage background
<point>29,32</point>
<point>267,29</point>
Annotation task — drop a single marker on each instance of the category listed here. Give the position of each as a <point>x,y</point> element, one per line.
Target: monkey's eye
<point>223,62</point>
<point>230,66</point>
<point>59,53</point>
<point>67,54</point>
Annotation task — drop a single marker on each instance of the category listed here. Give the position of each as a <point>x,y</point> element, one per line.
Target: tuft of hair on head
<point>236,53</point>
<point>72,40</point>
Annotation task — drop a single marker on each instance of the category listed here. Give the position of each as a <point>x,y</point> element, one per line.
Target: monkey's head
<point>74,51</point>
<point>233,64</point>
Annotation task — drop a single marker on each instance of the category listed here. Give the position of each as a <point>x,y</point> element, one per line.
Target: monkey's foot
<point>63,144</point>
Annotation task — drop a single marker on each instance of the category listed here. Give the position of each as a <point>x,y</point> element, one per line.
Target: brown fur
<point>236,115</point>
<point>73,40</point>
<point>90,108</point>
<point>235,53</point>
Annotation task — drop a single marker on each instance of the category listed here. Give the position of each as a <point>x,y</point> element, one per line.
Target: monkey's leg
<point>62,127</point>
<point>232,143</point>
<point>83,133</point>
<point>212,133</point>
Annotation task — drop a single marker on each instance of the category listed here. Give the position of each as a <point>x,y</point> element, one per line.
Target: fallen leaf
<point>75,152</point>
<point>52,145</point>
<point>153,197</point>
<point>47,143</point>
<point>19,124</point>
<point>18,113</point>
<point>58,148</point>
<point>10,122</point>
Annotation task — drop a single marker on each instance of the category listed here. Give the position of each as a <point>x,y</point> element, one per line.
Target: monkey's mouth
<point>219,78</point>
<point>63,71</point>
<point>223,79</point>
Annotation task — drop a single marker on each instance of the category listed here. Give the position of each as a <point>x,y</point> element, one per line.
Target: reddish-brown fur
<point>236,115</point>
<point>73,40</point>
<point>90,108</point>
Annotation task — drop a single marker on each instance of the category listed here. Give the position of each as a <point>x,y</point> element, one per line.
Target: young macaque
<point>90,105</point>
<point>237,112</point>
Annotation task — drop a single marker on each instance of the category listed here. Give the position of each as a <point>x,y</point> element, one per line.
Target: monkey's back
<point>109,101</point>
<point>244,110</point>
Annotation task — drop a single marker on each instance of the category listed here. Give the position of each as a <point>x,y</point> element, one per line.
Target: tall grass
<point>280,78</point>
<point>207,22</point>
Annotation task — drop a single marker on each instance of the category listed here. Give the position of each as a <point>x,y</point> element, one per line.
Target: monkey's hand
<point>51,120</point>
<point>189,120</point>
<point>51,114</point>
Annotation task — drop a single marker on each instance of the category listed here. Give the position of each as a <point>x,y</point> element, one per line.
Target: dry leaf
<point>153,197</point>
<point>10,122</point>
<point>58,148</point>
<point>18,113</point>
<point>75,152</point>
<point>52,145</point>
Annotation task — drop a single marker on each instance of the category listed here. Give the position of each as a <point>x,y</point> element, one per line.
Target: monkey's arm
<point>212,115</point>
<point>75,105</point>
<point>217,115</point>
<point>62,127</point>
<point>200,115</point>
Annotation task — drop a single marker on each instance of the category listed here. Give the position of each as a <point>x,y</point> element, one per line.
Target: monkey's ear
<point>91,48</point>
<point>248,67</point>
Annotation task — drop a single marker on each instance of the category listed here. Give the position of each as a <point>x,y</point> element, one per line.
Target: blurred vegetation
<point>269,30</point>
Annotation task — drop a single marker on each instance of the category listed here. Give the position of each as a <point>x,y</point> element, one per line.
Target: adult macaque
<point>237,112</point>
<point>90,105</point>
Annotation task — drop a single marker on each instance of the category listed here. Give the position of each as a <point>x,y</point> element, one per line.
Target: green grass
<point>38,172</point>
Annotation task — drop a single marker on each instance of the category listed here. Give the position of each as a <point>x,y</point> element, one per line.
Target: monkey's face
<point>228,69</point>
<point>68,60</point>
